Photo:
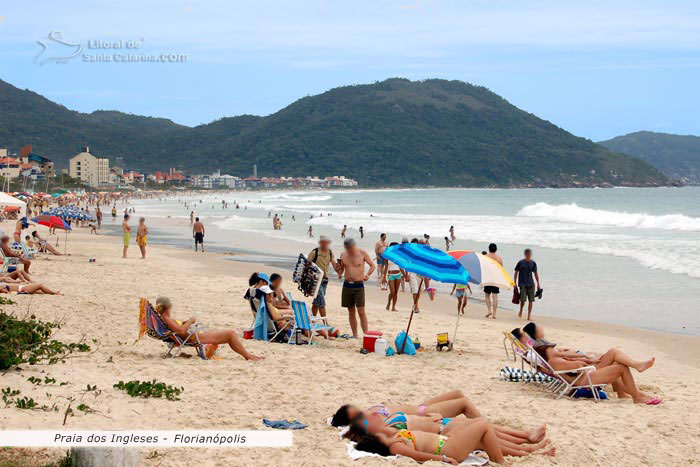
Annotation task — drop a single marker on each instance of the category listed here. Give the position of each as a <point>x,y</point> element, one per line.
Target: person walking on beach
<point>524,271</point>
<point>310,231</point>
<point>352,265</point>
<point>491,292</point>
<point>198,233</point>
<point>191,217</point>
<point>452,233</point>
<point>362,232</point>
<point>342,232</point>
<point>323,258</point>
<point>126,234</point>
<point>448,243</point>
<point>114,213</point>
<point>379,248</point>
<point>98,214</point>
<point>141,233</point>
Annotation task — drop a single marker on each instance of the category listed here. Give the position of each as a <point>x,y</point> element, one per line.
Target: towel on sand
<point>284,424</point>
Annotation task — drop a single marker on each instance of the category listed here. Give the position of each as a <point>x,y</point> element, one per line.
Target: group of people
<point>445,428</point>
<point>141,235</point>
<point>612,367</point>
<point>21,252</point>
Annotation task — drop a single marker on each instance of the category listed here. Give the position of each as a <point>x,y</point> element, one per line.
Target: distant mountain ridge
<point>677,156</point>
<point>391,133</point>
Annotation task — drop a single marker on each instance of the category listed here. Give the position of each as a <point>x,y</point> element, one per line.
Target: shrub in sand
<point>28,340</point>
<point>147,389</point>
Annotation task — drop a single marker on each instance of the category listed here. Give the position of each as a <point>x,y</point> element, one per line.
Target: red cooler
<point>369,339</point>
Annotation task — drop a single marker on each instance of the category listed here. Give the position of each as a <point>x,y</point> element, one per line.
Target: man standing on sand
<point>322,257</point>
<point>491,292</point>
<point>141,234</point>
<point>524,271</point>
<point>352,264</point>
<point>98,214</point>
<point>191,217</point>
<point>198,233</point>
<point>379,248</point>
<point>126,234</point>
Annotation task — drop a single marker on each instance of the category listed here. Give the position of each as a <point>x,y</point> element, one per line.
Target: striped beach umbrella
<point>426,261</point>
<point>482,269</point>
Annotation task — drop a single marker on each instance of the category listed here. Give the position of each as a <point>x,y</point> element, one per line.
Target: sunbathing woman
<point>29,289</point>
<point>15,277</point>
<point>438,409</point>
<point>44,245</point>
<point>510,445</point>
<point>281,300</point>
<point>224,336</point>
<point>616,374</point>
<point>421,446</point>
<point>259,283</point>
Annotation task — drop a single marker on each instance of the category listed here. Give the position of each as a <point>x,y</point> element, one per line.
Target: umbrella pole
<point>65,244</point>
<point>403,346</point>
<point>456,325</point>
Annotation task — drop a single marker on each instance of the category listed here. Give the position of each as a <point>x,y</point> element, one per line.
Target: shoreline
<point>310,383</point>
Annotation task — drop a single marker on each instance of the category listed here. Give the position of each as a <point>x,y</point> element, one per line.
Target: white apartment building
<point>89,169</point>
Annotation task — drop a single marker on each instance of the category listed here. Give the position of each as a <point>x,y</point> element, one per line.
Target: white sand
<point>309,383</point>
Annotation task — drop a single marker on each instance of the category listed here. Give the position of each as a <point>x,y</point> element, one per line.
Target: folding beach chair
<point>24,250</point>
<point>306,324</point>
<point>9,263</point>
<point>559,386</point>
<point>274,333</point>
<point>156,328</point>
<point>516,347</point>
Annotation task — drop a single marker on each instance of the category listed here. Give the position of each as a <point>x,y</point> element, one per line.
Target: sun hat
<point>264,276</point>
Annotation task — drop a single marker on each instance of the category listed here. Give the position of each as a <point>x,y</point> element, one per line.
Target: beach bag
<point>409,349</point>
<point>516,296</point>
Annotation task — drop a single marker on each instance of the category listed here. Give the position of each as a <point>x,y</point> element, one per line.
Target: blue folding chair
<point>303,322</point>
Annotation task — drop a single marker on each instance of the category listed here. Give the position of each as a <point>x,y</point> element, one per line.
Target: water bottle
<point>380,346</point>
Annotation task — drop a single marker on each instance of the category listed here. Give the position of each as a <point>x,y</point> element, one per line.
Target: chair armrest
<point>583,369</point>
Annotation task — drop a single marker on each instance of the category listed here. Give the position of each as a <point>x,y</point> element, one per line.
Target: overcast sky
<point>596,68</point>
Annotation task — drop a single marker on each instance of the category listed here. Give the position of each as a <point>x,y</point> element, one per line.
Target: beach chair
<point>274,333</point>
<point>516,347</point>
<point>9,263</point>
<point>560,387</point>
<point>24,250</point>
<point>304,323</point>
<point>156,328</point>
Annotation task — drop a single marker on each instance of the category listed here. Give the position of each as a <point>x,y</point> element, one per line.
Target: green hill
<point>395,132</point>
<point>677,156</point>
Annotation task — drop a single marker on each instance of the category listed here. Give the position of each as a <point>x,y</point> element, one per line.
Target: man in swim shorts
<point>198,234</point>
<point>379,248</point>
<point>141,234</point>
<point>352,265</point>
<point>524,272</point>
<point>491,292</point>
<point>126,234</point>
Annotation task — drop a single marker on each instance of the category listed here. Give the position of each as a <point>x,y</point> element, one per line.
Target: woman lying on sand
<point>421,446</point>
<point>15,277</point>
<point>511,445</point>
<point>610,372</point>
<point>433,414</point>
<point>29,289</point>
<point>223,336</point>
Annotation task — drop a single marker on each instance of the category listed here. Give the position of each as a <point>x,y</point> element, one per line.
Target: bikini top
<point>405,434</point>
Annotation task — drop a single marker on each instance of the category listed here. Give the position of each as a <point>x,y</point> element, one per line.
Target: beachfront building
<point>340,181</point>
<point>40,166</point>
<point>10,167</point>
<point>89,169</point>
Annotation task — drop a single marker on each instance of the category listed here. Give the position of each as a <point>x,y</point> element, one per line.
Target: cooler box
<point>369,339</point>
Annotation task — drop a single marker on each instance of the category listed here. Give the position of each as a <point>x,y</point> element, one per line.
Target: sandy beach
<point>310,383</point>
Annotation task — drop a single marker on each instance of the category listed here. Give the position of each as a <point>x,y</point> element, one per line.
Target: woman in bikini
<point>422,446</point>
<point>392,276</point>
<point>223,336</point>
<point>617,374</point>
<point>375,424</point>
<point>29,289</point>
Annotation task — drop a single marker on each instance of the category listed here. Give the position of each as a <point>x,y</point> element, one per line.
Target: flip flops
<point>654,401</point>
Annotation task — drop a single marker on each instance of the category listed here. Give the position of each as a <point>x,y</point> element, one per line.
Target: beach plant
<point>29,340</point>
<point>146,389</point>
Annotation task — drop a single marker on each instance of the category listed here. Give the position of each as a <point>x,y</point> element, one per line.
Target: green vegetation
<point>29,341</point>
<point>677,156</point>
<point>146,389</point>
<point>391,133</point>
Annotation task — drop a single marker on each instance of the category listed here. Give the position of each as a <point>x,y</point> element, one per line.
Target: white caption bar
<point>150,438</point>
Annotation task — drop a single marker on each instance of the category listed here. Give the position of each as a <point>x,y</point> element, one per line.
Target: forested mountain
<point>395,132</point>
<point>677,156</point>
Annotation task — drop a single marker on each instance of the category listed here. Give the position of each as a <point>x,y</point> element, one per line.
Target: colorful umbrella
<point>50,221</point>
<point>482,269</point>
<point>426,261</point>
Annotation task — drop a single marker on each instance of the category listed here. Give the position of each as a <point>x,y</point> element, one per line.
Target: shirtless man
<point>141,237</point>
<point>10,253</point>
<point>489,290</point>
<point>198,233</point>
<point>126,234</point>
<point>379,248</point>
<point>352,264</point>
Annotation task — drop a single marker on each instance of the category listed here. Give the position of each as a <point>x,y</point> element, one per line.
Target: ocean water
<point>625,255</point>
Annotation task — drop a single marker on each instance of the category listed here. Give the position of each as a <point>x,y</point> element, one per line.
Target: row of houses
<point>96,172</point>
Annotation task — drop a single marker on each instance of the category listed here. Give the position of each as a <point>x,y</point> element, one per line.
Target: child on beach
<point>459,290</point>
